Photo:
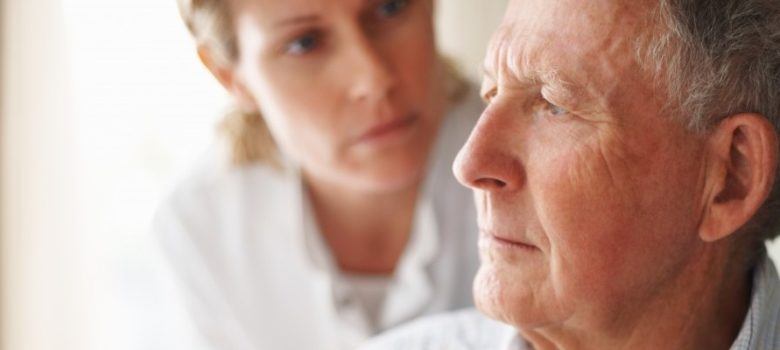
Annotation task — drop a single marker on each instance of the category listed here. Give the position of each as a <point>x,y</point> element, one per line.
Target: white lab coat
<point>254,275</point>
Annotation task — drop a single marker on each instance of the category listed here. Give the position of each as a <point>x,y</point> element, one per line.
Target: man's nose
<point>370,75</point>
<point>488,160</point>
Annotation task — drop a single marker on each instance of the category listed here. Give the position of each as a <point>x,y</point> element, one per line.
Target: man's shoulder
<point>465,329</point>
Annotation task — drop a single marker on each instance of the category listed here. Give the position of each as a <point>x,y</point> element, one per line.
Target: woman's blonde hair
<point>247,134</point>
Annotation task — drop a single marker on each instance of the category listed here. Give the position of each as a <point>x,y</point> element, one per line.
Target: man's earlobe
<point>742,163</point>
<point>226,75</point>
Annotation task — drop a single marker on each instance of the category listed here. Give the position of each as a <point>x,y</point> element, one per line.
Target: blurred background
<point>102,105</point>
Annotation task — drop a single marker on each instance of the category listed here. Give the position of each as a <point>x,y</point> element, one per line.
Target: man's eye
<point>550,109</point>
<point>391,8</point>
<point>303,44</point>
<point>557,110</point>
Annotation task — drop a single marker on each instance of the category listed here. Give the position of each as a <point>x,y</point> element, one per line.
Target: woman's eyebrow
<point>297,20</point>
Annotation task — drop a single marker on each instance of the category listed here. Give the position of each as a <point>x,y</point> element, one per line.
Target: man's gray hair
<point>719,58</point>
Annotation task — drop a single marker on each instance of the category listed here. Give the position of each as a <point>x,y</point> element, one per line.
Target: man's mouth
<point>505,241</point>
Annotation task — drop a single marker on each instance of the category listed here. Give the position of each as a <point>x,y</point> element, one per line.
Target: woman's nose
<point>488,161</point>
<point>371,75</point>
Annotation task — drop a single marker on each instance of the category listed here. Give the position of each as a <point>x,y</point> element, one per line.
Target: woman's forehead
<point>274,13</point>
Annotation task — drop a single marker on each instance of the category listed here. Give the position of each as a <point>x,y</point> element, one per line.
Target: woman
<point>331,212</point>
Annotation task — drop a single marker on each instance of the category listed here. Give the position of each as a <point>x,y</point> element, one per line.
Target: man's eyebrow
<point>297,20</point>
<point>553,77</point>
<point>549,76</point>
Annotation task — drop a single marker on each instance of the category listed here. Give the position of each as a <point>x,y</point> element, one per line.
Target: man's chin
<point>508,299</point>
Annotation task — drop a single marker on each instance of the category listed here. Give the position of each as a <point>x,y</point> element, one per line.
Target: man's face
<point>588,196</point>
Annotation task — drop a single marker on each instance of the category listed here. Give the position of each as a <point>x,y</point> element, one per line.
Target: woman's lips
<point>387,129</point>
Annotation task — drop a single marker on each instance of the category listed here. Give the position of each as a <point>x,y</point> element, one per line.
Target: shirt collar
<point>762,323</point>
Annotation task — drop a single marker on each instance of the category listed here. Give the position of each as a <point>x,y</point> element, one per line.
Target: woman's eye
<point>302,45</point>
<point>488,96</point>
<point>391,8</point>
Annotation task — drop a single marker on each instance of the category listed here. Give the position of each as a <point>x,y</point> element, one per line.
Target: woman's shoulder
<point>461,118</point>
<point>213,192</point>
<point>213,175</point>
<point>214,170</point>
<point>455,128</point>
<point>465,111</point>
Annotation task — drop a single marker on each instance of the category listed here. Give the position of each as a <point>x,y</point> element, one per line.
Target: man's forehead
<point>601,11</point>
<point>557,38</point>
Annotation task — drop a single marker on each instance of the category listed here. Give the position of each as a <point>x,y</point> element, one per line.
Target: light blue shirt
<point>469,330</point>
<point>761,328</point>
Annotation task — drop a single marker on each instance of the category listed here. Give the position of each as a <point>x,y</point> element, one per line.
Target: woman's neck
<point>365,231</point>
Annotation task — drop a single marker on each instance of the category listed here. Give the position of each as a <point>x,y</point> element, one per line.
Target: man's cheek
<point>583,215</point>
<point>570,183</point>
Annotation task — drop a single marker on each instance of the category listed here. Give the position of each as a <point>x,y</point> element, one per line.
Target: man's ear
<point>742,157</point>
<point>228,77</point>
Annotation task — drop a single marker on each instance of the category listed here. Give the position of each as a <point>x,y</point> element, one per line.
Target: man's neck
<point>703,308</point>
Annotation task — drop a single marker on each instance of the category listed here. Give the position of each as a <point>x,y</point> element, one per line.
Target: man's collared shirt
<point>469,330</point>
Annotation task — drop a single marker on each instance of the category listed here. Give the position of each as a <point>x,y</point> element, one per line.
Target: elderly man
<point>625,173</point>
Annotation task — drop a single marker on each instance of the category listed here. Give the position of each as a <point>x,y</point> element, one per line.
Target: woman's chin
<point>389,181</point>
<point>387,176</point>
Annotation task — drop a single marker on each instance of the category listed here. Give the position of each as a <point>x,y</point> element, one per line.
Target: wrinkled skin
<point>594,194</point>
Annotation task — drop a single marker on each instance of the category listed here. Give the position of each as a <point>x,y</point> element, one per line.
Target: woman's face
<point>349,88</point>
